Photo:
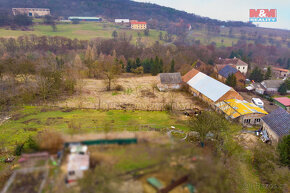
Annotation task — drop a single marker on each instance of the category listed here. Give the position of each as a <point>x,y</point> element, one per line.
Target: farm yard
<point>137,93</point>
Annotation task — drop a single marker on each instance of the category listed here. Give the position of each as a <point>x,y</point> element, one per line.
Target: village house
<point>31,12</point>
<point>271,86</point>
<point>138,25</point>
<point>277,124</point>
<point>266,87</point>
<point>242,111</point>
<point>234,62</point>
<point>209,89</point>
<point>283,102</point>
<point>280,72</point>
<point>169,81</point>
<point>225,72</point>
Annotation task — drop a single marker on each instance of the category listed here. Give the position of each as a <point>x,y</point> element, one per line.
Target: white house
<point>235,62</point>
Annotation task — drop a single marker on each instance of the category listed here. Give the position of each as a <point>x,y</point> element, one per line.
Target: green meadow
<point>30,120</point>
<point>82,31</point>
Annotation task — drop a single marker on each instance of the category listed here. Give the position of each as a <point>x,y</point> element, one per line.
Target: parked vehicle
<point>258,102</point>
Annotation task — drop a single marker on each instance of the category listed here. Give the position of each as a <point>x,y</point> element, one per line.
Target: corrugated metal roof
<point>283,100</point>
<point>170,78</point>
<point>235,108</point>
<point>208,86</point>
<point>227,70</point>
<point>278,121</point>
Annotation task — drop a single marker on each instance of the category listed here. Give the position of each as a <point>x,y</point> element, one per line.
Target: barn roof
<point>208,86</point>
<point>234,61</point>
<point>278,121</point>
<point>227,70</point>
<point>170,78</point>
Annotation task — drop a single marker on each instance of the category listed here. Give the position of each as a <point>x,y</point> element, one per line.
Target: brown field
<point>138,93</point>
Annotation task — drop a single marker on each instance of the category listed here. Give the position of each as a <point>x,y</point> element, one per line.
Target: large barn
<point>209,89</point>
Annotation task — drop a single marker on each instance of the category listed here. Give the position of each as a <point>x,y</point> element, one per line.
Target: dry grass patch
<point>138,93</point>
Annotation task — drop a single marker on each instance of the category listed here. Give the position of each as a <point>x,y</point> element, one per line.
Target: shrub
<point>119,87</point>
<point>32,144</point>
<point>50,141</point>
<point>284,150</point>
<point>18,149</point>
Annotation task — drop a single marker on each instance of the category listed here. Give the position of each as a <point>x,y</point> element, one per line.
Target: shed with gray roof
<point>169,81</point>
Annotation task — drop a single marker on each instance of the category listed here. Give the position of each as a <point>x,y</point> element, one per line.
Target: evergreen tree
<point>146,66</point>
<point>257,75</point>
<point>138,62</point>
<point>129,66</point>
<point>115,34</point>
<point>284,87</point>
<point>172,66</point>
<point>160,66</point>
<point>156,66</point>
<point>268,74</point>
<point>231,80</point>
<point>160,36</point>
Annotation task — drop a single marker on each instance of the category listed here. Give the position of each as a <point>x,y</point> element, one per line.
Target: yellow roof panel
<point>235,108</point>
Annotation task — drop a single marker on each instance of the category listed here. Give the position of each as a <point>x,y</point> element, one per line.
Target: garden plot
<point>126,168</point>
<point>138,93</point>
<point>31,180</point>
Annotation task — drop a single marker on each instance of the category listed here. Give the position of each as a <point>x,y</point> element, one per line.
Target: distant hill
<point>117,9</point>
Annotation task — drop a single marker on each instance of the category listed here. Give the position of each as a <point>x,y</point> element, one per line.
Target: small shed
<point>77,164</point>
<point>169,81</point>
<point>277,124</point>
<point>283,102</point>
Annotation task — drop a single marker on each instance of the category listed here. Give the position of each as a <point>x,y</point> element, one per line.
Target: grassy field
<point>30,120</point>
<point>82,31</point>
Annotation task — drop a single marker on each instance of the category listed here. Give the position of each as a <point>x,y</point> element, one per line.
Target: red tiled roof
<point>283,100</point>
<point>138,22</point>
<point>280,69</point>
<point>235,61</point>
<point>190,75</point>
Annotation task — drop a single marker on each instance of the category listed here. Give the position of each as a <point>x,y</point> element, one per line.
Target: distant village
<point>41,12</point>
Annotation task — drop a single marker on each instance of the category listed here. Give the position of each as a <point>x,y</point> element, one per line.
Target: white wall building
<point>122,20</point>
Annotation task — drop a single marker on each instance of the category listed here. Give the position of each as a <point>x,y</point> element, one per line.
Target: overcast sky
<point>231,9</point>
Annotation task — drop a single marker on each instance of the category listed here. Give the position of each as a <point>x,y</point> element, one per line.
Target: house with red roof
<point>138,25</point>
<point>280,72</point>
<point>283,102</point>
